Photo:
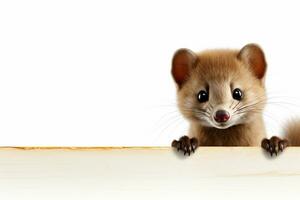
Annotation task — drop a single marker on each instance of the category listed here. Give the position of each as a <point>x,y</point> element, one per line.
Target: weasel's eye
<point>202,96</point>
<point>237,94</point>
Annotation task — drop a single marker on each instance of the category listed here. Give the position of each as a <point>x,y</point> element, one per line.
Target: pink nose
<point>222,116</point>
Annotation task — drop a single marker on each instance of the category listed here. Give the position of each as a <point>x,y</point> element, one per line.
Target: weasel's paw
<point>274,145</point>
<point>185,144</point>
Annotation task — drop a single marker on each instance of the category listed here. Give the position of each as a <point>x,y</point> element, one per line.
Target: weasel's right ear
<point>182,63</point>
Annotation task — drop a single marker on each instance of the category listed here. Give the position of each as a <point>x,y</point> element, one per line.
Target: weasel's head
<point>220,88</point>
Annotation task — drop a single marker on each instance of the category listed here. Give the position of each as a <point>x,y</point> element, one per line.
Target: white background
<point>98,72</point>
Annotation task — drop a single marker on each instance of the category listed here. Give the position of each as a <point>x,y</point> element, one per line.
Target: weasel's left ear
<point>254,57</point>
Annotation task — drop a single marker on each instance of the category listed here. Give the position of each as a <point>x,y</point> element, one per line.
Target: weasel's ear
<point>254,57</point>
<point>182,63</point>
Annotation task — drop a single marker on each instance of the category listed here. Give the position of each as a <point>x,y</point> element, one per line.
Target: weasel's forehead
<point>219,65</point>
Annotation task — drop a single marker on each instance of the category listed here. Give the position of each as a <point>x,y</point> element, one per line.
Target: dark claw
<point>193,150</point>
<point>185,144</point>
<point>274,145</point>
<point>281,147</point>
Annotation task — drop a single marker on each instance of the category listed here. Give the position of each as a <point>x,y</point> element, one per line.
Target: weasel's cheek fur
<point>252,108</point>
<point>190,108</point>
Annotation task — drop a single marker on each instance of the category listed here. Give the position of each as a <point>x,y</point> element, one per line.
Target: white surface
<point>98,72</point>
<point>211,173</point>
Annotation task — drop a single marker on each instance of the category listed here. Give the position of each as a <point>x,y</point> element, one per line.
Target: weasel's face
<point>221,91</point>
<point>222,103</point>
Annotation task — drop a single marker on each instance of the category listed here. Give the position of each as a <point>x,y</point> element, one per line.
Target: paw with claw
<point>274,145</point>
<point>185,144</point>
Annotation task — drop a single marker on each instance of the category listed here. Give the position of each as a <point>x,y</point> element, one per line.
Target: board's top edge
<point>109,147</point>
<point>81,147</point>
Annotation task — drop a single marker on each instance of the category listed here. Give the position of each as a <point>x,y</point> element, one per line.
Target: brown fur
<point>222,71</point>
<point>240,135</point>
<point>292,131</point>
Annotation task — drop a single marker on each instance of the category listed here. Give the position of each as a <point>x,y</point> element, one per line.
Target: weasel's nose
<point>222,116</point>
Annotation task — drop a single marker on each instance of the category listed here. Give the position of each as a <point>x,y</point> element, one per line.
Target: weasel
<point>222,94</point>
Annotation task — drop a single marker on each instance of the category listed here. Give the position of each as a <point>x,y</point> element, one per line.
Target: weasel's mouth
<point>222,125</point>
<point>217,125</point>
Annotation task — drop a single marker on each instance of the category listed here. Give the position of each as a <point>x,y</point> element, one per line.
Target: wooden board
<point>147,173</point>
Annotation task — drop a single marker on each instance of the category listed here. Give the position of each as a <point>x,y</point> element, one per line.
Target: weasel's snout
<point>222,116</point>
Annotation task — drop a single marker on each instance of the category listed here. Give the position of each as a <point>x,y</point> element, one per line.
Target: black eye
<point>237,94</point>
<point>202,96</point>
